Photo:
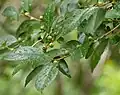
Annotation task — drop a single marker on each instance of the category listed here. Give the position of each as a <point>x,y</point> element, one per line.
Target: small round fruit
<point>49,37</point>
<point>27,13</point>
<point>31,18</point>
<point>51,45</point>
<point>55,61</point>
<point>42,27</point>
<point>90,38</point>
<point>41,17</point>
<point>66,52</point>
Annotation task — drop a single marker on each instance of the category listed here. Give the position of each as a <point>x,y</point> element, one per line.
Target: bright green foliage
<point>97,24</point>
<point>11,13</point>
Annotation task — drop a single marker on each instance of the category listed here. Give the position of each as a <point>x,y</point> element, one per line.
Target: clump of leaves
<point>95,23</point>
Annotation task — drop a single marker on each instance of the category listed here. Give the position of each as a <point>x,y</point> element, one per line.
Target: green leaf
<point>76,50</point>
<point>55,53</point>
<point>112,14</point>
<point>27,28</point>
<point>72,20</point>
<point>90,50</point>
<point>21,53</point>
<point>63,67</point>
<point>71,45</point>
<point>68,6</point>
<point>94,21</point>
<point>46,76</point>
<point>97,53</point>
<point>21,65</point>
<point>32,74</point>
<point>48,17</point>
<point>26,5</point>
<point>11,13</point>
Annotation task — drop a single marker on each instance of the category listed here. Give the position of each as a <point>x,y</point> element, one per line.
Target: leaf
<point>55,53</point>
<point>75,49</point>
<point>94,21</point>
<point>32,74</point>
<point>97,53</point>
<point>27,28</point>
<point>26,5</point>
<point>72,20</point>
<point>63,67</point>
<point>90,50</point>
<point>20,66</point>
<point>112,14</point>
<point>21,53</point>
<point>71,45</point>
<point>68,6</point>
<point>48,17</point>
<point>11,13</point>
<point>46,76</point>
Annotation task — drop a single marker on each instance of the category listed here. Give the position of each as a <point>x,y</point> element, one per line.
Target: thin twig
<point>111,31</point>
<point>36,43</point>
<point>31,17</point>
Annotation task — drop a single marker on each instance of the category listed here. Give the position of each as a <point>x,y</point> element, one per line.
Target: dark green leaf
<point>11,13</point>
<point>90,50</point>
<point>97,53</point>
<point>32,74</point>
<point>72,20</point>
<point>27,28</point>
<point>46,76</point>
<point>48,17</point>
<point>63,67</point>
<point>94,21</point>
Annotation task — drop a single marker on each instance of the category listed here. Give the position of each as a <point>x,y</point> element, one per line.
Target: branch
<point>31,17</point>
<point>100,66</point>
<point>108,33</point>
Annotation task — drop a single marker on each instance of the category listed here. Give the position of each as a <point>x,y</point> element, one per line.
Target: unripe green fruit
<point>90,38</point>
<point>51,45</point>
<point>55,61</point>
<point>66,51</point>
<point>49,37</point>
<point>41,17</point>
<point>42,27</point>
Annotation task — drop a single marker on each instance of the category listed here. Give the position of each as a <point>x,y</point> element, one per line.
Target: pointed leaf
<point>46,76</point>
<point>26,5</point>
<point>63,67</point>
<point>94,21</point>
<point>32,74</point>
<point>97,53</point>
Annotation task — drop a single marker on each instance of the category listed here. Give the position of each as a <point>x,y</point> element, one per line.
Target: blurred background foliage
<point>107,84</point>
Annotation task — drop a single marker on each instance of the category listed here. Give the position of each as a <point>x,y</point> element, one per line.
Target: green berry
<point>49,37</point>
<point>42,27</point>
<point>51,45</point>
<point>41,17</point>
<point>55,61</point>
